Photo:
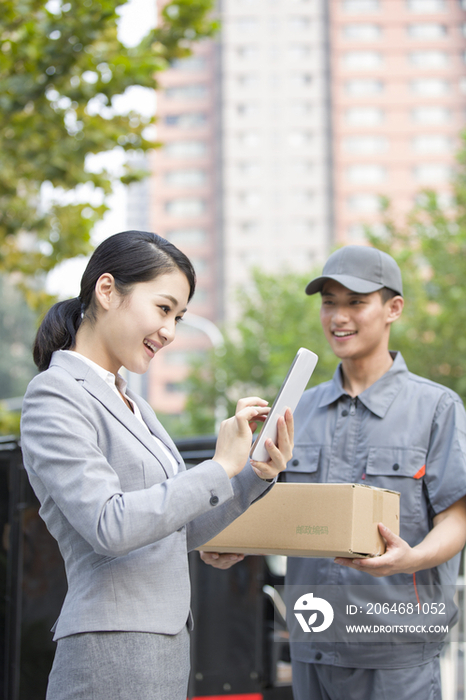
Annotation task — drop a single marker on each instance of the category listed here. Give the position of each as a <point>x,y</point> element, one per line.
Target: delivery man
<point>375,423</point>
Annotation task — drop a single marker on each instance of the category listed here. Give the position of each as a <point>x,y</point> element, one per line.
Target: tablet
<point>290,392</point>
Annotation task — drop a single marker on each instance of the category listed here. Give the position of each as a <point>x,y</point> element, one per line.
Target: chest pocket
<point>304,464</point>
<point>400,470</point>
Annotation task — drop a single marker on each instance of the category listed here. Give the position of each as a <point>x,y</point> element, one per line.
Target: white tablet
<point>290,392</point>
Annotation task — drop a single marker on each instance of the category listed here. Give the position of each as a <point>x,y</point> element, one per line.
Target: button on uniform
<point>213,500</point>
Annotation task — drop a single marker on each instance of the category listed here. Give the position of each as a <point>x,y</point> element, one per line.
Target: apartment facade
<point>398,104</point>
<point>280,136</point>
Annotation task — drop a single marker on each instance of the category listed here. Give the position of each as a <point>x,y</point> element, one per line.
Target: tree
<point>431,251</point>
<point>276,317</point>
<point>18,326</point>
<point>61,67</point>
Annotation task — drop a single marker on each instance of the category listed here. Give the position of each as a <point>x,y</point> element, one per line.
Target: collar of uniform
<point>378,397</point>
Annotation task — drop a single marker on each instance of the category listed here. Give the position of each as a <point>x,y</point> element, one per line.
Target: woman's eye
<point>178,319</point>
<point>165,309</point>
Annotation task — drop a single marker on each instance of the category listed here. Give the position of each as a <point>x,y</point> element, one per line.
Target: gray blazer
<point>123,521</point>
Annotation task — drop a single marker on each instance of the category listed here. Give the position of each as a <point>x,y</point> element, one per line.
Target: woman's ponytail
<point>57,331</point>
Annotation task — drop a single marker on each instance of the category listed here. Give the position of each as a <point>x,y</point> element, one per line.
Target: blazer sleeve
<point>247,488</point>
<point>73,479</point>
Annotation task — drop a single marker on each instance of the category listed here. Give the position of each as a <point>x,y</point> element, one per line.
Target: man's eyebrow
<point>349,293</point>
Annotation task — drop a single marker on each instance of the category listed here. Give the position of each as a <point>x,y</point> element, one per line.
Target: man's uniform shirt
<point>403,433</point>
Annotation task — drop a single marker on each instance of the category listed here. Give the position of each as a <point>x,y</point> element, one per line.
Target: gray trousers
<point>323,682</point>
<point>120,666</point>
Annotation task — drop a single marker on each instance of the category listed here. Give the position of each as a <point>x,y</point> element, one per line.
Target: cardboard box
<point>313,520</point>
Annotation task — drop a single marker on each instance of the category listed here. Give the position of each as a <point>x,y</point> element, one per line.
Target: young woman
<point>113,489</point>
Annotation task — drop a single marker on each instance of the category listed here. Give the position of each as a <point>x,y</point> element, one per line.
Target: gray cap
<point>361,269</point>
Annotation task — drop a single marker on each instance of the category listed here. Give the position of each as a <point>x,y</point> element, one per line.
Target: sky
<point>137,17</point>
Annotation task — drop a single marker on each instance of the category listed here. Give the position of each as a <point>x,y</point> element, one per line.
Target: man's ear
<point>105,290</point>
<point>395,306</point>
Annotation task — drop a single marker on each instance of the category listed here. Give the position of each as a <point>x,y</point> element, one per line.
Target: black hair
<point>386,293</point>
<point>131,257</point>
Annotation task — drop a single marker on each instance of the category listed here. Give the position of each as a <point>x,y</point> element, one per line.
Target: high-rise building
<point>281,135</point>
<point>398,104</point>
<point>185,205</point>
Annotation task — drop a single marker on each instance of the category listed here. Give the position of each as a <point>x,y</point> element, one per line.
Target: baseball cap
<point>361,269</point>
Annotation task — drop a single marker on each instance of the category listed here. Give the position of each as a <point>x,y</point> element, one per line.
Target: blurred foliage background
<point>62,68</point>
<point>277,317</point>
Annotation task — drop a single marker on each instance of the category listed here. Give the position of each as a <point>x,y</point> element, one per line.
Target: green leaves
<point>276,317</point>
<point>61,68</point>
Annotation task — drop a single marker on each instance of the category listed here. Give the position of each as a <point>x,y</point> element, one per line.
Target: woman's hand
<point>221,561</point>
<point>235,437</point>
<point>279,454</point>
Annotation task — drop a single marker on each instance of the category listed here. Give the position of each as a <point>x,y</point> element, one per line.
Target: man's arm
<point>447,538</point>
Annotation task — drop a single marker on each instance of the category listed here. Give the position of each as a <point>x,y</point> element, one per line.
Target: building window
<point>249,139</point>
<point>300,109</point>
<point>247,24</point>
<point>355,232</point>
<point>364,86</point>
<point>362,60</point>
<point>366,203</point>
<point>247,169</point>
<point>366,173</point>
<point>432,143</point>
<point>364,116</point>
<point>299,23</point>
<point>186,236</point>
<point>425,6</point>
<point>432,172</point>
<point>429,59</point>
<point>247,51</point>
<point>430,87</point>
<point>185,207</point>
<point>247,110</point>
<point>301,168</point>
<point>188,120</point>
<point>362,32</point>
<point>192,63</point>
<point>185,149</point>
<point>431,115</point>
<point>247,80</point>
<point>185,178</point>
<point>249,228</point>
<point>366,144</point>
<point>187,92</point>
<point>427,31</point>
<point>298,139</point>
<point>299,52</point>
<point>357,6</point>
<point>250,199</point>
<point>302,228</point>
<point>301,79</point>
<point>301,198</point>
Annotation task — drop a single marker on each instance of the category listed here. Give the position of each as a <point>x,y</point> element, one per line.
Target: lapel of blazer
<point>101,391</point>
<point>155,427</point>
